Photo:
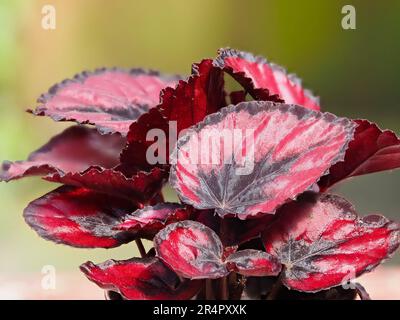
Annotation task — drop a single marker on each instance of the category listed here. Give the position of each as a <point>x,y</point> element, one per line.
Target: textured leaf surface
<point>263,79</point>
<point>251,262</point>
<point>321,242</point>
<point>74,150</point>
<point>140,279</point>
<point>79,217</point>
<point>110,99</point>
<point>141,186</point>
<point>191,249</point>
<point>291,148</point>
<point>151,219</point>
<point>372,150</point>
<point>191,100</point>
<point>181,107</point>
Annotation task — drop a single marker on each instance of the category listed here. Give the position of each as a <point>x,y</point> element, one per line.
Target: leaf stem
<point>224,288</point>
<point>273,294</point>
<point>141,248</point>
<point>209,290</point>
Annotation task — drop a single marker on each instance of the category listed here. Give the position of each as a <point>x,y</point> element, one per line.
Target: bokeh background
<point>356,73</point>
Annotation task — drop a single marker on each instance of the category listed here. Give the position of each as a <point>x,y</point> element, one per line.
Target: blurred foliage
<point>354,71</point>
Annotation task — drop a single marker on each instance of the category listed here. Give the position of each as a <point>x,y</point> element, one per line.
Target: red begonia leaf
<point>110,99</point>
<point>181,107</point>
<point>263,79</point>
<point>79,217</point>
<point>191,100</point>
<point>252,262</point>
<point>141,279</point>
<point>74,150</point>
<point>134,154</point>
<point>191,249</point>
<point>148,221</point>
<point>142,186</point>
<point>322,243</point>
<point>372,150</point>
<point>282,151</point>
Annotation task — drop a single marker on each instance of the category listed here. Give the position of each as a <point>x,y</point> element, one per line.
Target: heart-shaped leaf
<point>322,243</point>
<point>191,249</point>
<point>372,150</point>
<point>148,221</point>
<point>80,218</point>
<point>263,79</point>
<point>110,99</point>
<point>141,279</point>
<point>255,156</point>
<point>254,263</point>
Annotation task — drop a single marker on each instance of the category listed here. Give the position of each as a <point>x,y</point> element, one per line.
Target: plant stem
<point>224,288</point>
<point>275,288</point>
<point>141,248</point>
<point>209,290</point>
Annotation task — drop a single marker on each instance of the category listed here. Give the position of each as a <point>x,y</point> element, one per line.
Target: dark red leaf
<point>191,100</point>
<point>74,150</point>
<point>263,79</point>
<point>110,99</point>
<point>181,107</point>
<point>141,279</point>
<point>236,232</point>
<point>292,147</point>
<point>191,249</point>
<point>237,96</point>
<point>372,150</point>
<point>151,219</point>
<point>140,187</point>
<point>322,243</point>
<point>253,263</point>
<point>79,217</point>
<point>134,154</point>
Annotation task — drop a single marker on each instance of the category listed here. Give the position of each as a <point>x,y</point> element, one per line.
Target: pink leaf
<point>283,151</point>
<point>321,242</point>
<point>263,79</point>
<point>110,99</point>
<point>191,249</point>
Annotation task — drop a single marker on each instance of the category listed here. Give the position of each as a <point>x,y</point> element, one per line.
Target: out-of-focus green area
<point>356,73</point>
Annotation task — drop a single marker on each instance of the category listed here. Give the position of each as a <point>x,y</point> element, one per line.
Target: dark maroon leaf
<point>148,221</point>
<point>181,107</point>
<point>237,96</point>
<point>236,232</point>
<point>79,217</point>
<point>372,150</point>
<point>253,263</point>
<point>74,150</point>
<point>110,99</point>
<point>140,187</point>
<point>140,279</point>
<point>191,249</point>
<point>263,79</point>
<point>291,148</point>
<point>322,243</point>
<point>191,100</point>
<point>134,154</point>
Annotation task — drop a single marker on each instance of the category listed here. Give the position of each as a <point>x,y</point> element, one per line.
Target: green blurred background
<point>356,73</point>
